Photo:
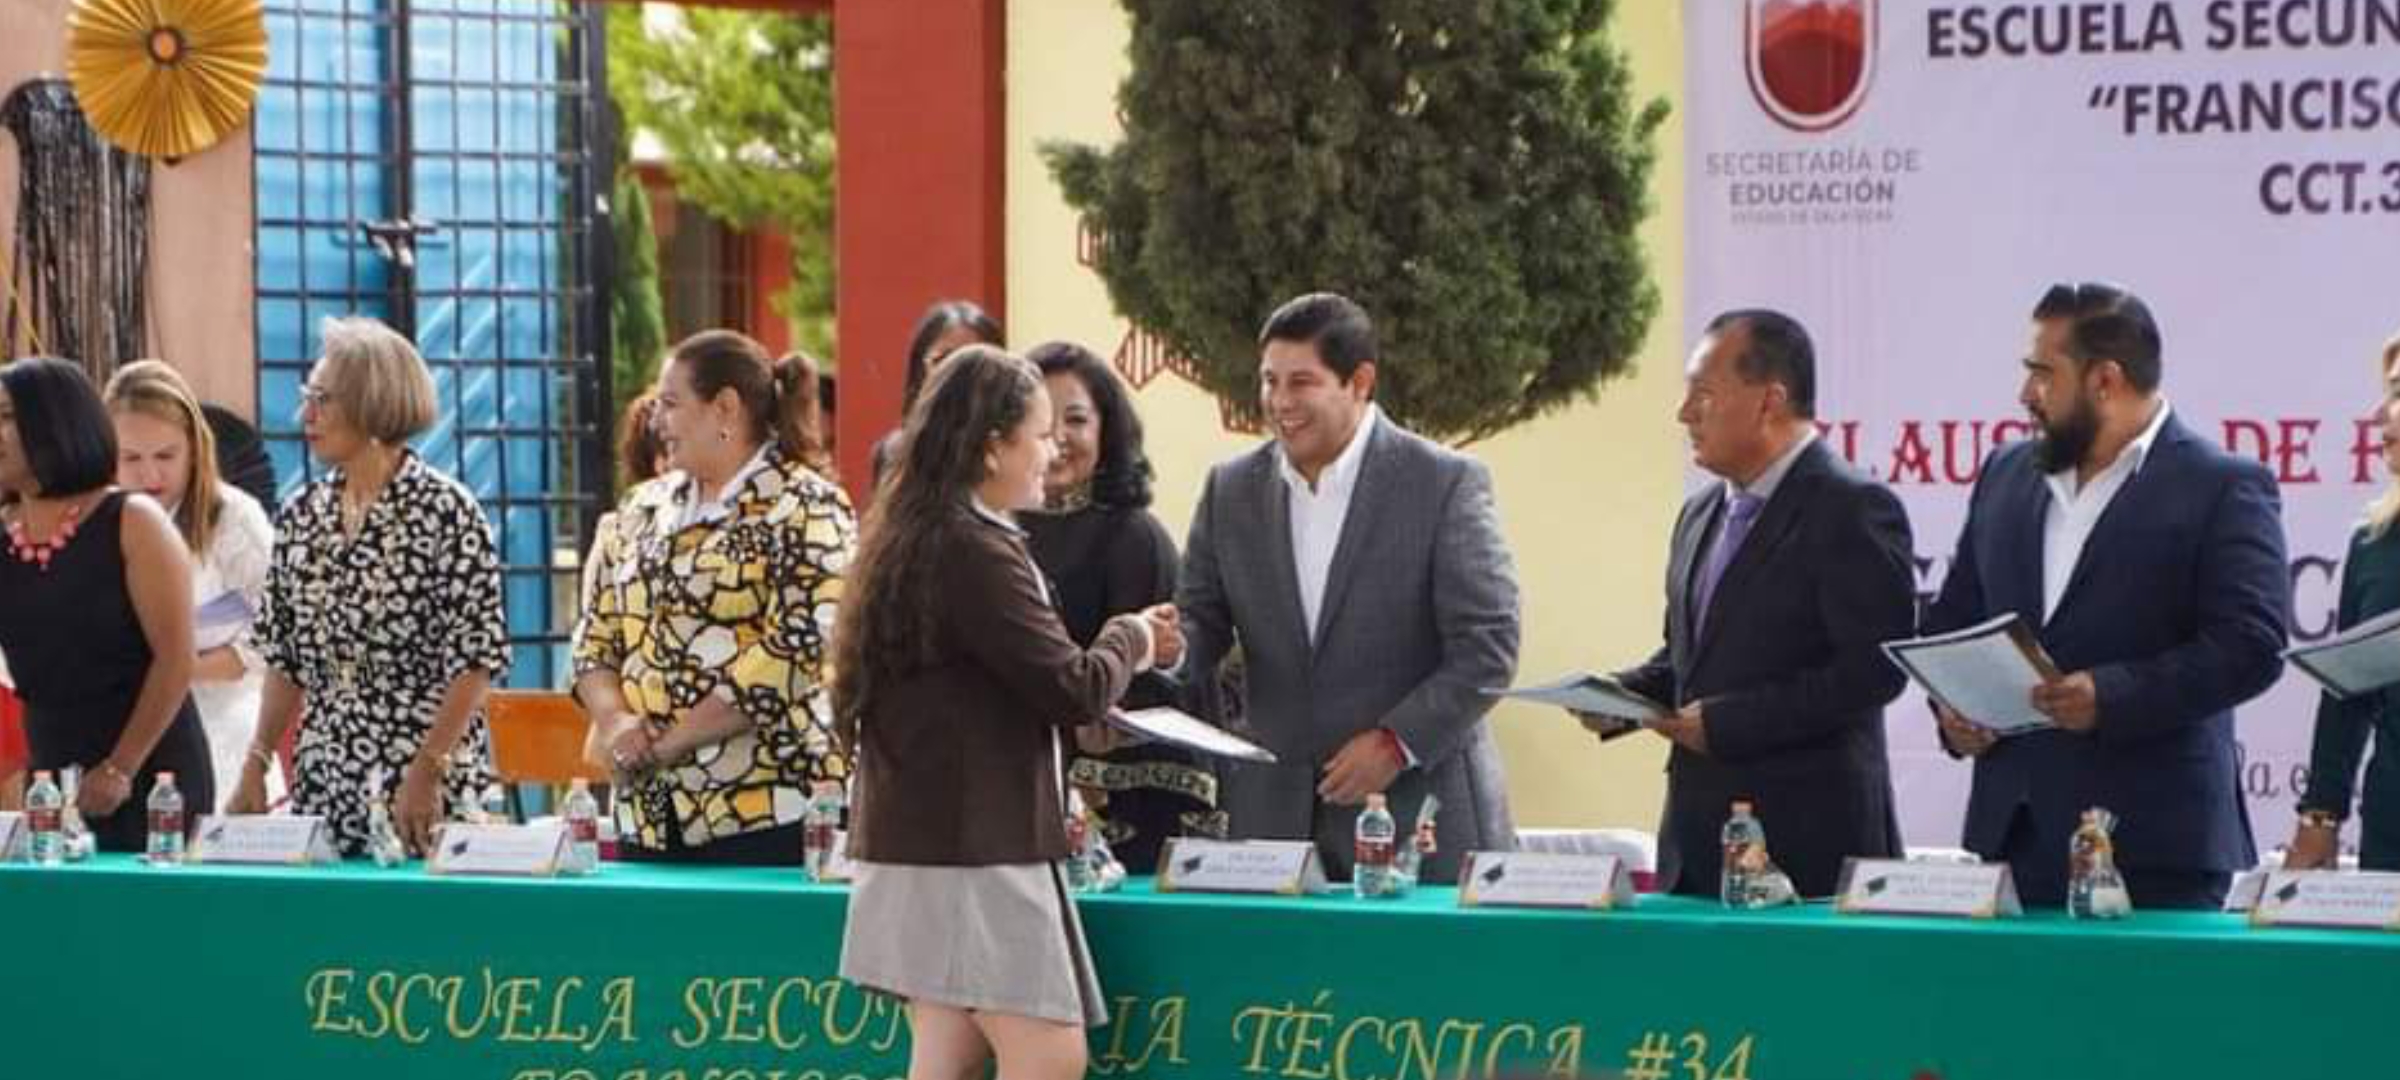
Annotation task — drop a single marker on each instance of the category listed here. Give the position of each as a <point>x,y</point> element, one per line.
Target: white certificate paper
<point>1597,695</point>
<point>2360,660</point>
<point>1985,673</point>
<point>1179,728</point>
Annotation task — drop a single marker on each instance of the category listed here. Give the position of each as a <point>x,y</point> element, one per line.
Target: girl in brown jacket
<point>954,682</point>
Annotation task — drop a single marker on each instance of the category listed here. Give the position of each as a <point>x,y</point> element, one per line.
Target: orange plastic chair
<point>537,738</point>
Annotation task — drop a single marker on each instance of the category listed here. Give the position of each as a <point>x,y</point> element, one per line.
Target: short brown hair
<point>378,379</point>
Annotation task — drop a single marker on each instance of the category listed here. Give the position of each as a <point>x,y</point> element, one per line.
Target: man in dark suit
<point>1361,570</point>
<point>2153,565</point>
<point>1784,580</point>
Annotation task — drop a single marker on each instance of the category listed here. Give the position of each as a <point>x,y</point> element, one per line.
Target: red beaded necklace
<point>39,552</point>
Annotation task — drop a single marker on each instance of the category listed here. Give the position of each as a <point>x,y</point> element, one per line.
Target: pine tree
<point>1474,172</point>
<point>636,317</point>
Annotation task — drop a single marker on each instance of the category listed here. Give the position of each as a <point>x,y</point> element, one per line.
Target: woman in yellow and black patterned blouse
<point>701,653</point>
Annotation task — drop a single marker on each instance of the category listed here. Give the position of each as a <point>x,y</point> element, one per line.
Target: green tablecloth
<point>651,974</point>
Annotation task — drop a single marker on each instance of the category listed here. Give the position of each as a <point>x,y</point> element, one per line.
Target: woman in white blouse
<point>165,451</point>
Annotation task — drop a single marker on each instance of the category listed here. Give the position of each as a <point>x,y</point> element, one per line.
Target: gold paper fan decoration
<point>166,78</point>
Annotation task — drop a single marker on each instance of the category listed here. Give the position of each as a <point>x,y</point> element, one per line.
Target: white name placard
<point>1544,880</point>
<point>12,836</point>
<point>506,850</point>
<point>2368,901</point>
<point>839,870</point>
<point>1282,867</point>
<point>262,839</point>
<point>1896,887</point>
<point>2248,886</point>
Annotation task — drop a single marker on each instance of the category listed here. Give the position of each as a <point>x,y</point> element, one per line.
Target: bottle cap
<point>1375,801</point>
<point>581,784</point>
<point>1743,805</point>
<point>165,778</point>
<point>41,776</point>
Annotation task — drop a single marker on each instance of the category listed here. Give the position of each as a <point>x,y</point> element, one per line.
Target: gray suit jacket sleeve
<point>1475,611</point>
<point>1207,618</point>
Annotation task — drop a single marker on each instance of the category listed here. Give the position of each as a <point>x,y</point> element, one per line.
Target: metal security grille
<point>435,163</point>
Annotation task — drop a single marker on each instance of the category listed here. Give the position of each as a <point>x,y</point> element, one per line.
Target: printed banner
<point>1907,178</point>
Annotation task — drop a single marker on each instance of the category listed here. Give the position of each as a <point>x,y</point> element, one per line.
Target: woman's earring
<point>724,436</point>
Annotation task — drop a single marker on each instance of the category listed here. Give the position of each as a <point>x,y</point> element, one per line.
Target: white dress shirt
<point>2075,507</point>
<point>1317,513</point>
<point>1764,486</point>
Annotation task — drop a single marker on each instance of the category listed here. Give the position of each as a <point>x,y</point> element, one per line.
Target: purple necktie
<point>1738,518</point>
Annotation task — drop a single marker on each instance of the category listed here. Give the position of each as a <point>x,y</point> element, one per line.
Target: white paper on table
<point>2360,660</point>
<point>1598,695</point>
<point>1985,673</point>
<point>1179,728</point>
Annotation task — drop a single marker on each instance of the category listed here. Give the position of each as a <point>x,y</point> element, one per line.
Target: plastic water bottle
<point>582,812</point>
<point>1372,874</point>
<point>495,806</point>
<point>820,827</point>
<point>1745,843</point>
<point>42,818</point>
<point>166,823</point>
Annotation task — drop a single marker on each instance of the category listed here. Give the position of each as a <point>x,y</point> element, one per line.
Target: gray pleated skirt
<point>1001,939</point>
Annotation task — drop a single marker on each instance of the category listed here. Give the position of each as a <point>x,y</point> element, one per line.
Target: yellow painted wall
<point>1586,497</point>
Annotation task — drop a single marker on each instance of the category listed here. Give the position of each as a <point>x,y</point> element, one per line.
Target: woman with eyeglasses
<point>383,622</point>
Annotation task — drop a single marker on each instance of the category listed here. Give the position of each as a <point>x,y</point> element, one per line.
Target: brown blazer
<point>957,760</point>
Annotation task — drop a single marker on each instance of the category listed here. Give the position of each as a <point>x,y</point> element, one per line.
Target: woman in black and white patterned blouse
<point>383,619</point>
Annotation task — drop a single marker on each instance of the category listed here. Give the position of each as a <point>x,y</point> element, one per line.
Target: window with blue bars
<point>434,163</point>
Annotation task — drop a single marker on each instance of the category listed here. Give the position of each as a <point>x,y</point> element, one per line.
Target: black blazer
<point>2178,607</point>
<point>1791,675</point>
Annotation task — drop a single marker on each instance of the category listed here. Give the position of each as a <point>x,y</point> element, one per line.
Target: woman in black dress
<point>98,621</point>
<point>2370,588</point>
<point>1105,556</point>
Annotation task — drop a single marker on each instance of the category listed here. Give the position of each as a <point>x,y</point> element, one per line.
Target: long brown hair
<point>2386,507</point>
<point>153,389</point>
<point>891,602</point>
<point>779,396</point>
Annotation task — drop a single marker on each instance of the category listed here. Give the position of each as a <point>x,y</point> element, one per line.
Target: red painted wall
<point>918,90</point>
<point>919,111</point>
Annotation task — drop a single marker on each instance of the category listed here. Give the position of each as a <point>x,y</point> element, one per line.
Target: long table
<point>655,974</point>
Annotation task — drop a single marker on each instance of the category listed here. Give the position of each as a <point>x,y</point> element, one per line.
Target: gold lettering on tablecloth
<point>1312,1041</point>
<point>1162,1024</point>
<point>412,1007</point>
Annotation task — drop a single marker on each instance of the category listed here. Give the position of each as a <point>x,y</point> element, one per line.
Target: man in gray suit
<point>1360,569</point>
